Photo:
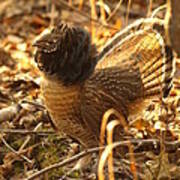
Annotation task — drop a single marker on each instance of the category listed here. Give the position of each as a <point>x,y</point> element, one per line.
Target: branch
<point>25,132</point>
<point>14,151</point>
<point>86,152</point>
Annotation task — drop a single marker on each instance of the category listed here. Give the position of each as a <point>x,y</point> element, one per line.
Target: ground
<point>28,141</point>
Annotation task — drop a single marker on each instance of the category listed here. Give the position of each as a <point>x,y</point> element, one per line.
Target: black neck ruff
<point>66,53</point>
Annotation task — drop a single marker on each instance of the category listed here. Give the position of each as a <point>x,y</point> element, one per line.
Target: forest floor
<point>28,142</point>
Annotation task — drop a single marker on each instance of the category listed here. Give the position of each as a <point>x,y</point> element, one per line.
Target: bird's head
<point>66,53</point>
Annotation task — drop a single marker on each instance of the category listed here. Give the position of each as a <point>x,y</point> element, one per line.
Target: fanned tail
<point>142,47</point>
<point>155,62</point>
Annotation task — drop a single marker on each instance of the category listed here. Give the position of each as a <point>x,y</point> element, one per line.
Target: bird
<point>80,82</point>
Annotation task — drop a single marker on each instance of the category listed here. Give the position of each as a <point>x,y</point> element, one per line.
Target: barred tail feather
<point>169,71</point>
<point>142,46</point>
<point>156,66</point>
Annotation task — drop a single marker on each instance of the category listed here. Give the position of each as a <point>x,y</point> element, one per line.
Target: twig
<point>103,159</point>
<point>110,129</point>
<point>128,9</point>
<point>102,10</point>
<point>105,119</point>
<point>14,151</point>
<point>85,153</point>
<point>52,14</point>
<point>160,8</point>
<point>114,11</point>
<point>81,4</point>
<point>63,163</point>
<point>61,2</point>
<point>25,132</point>
<point>38,105</point>
<point>150,8</point>
<point>28,138</point>
<point>93,15</point>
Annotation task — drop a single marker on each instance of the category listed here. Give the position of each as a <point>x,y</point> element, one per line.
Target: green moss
<point>75,174</point>
<point>54,149</point>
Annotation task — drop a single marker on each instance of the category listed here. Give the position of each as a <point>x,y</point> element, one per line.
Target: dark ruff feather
<point>66,53</point>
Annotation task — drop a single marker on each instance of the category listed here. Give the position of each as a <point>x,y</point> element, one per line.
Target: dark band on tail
<point>168,71</point>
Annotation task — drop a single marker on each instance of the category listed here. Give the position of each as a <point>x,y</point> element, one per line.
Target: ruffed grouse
<point>80,84</point>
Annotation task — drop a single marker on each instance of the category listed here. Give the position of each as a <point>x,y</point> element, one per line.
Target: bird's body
<point>78,88</point>
<point>64,106</point>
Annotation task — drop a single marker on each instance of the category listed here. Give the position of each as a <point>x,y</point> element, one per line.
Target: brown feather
<point>133,68</point>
